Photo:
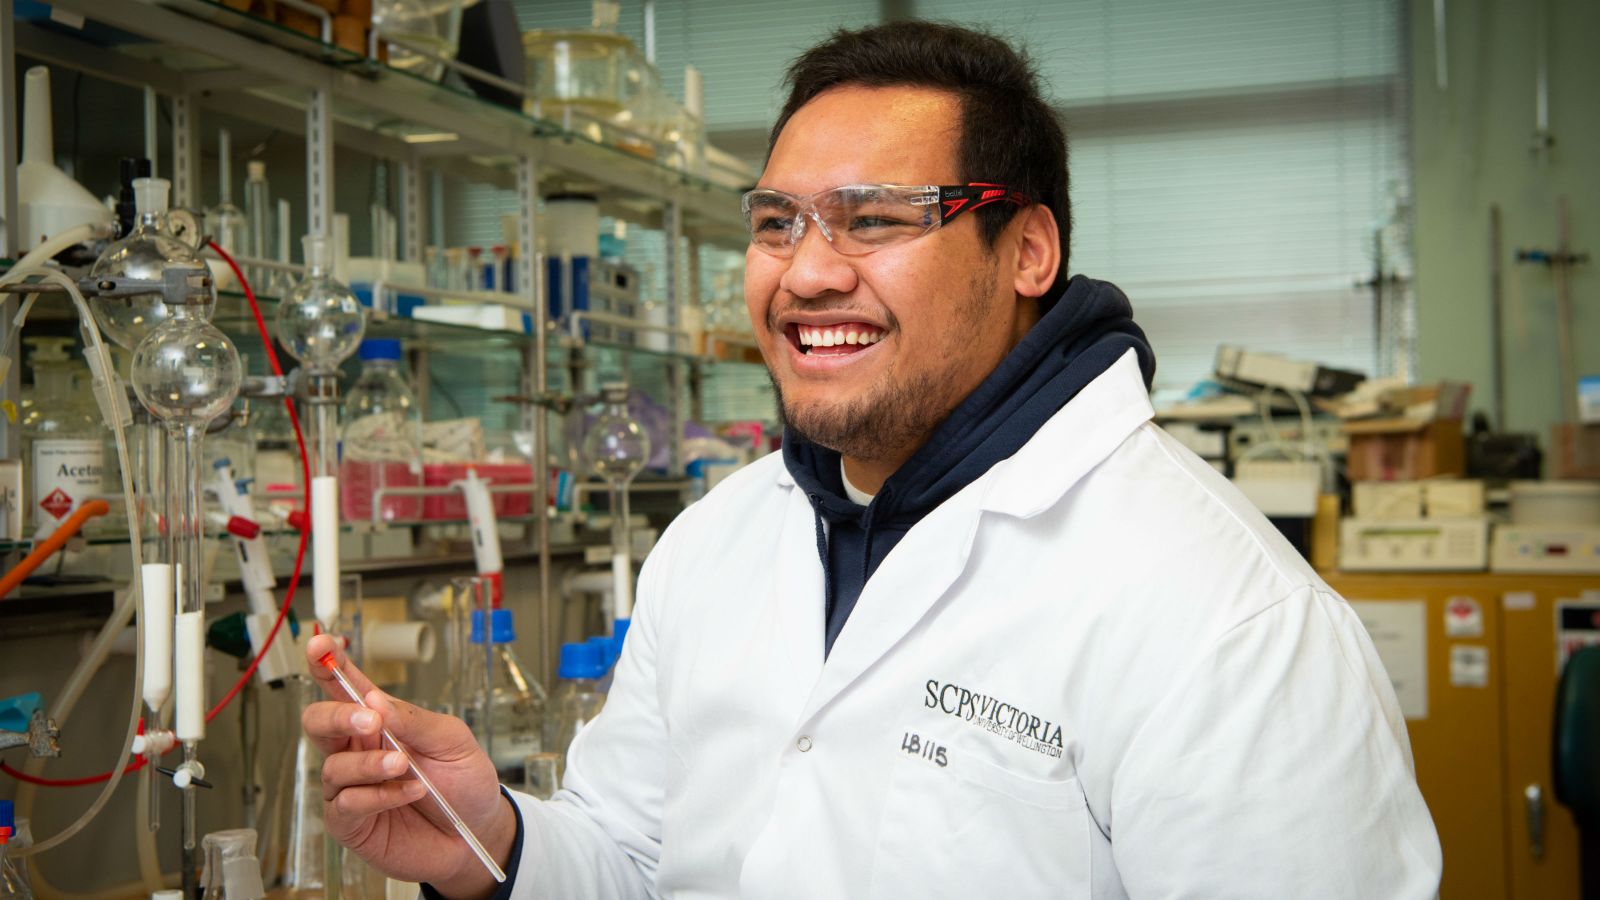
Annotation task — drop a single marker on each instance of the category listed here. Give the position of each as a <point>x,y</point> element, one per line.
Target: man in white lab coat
<point>981,629</point>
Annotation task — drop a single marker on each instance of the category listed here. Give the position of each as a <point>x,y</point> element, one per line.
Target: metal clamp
<point>180,285</point>
<point>41,738</point>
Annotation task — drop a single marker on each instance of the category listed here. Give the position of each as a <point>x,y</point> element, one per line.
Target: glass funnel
<point>320,323</point>
<point>617,448</point>
<point>146,253</point>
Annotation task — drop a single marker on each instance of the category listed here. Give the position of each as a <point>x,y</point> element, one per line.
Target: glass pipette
<point>328,663</point>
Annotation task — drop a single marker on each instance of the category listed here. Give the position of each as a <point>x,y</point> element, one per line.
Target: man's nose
<point>816,269</point>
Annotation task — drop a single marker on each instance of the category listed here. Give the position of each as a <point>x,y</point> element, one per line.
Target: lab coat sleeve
<point>1276,766</point>
<point>600,836</point>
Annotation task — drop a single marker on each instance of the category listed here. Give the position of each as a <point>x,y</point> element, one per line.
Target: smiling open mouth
<point>834,340</point>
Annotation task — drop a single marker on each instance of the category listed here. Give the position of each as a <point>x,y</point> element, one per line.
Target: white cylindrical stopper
<point>403,642</point>
<point>622,586</point>
<point>155,582</point>
<point>325,549</point>
<point>255,170</point>
<point>38,143</point>
<point>167,895</point>
<point>485,530</point>
<point>150,195</point>
<point>191,676</point>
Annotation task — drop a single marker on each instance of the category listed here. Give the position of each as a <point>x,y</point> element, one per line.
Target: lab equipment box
<point>1404,449</point>
<point>454,506</point>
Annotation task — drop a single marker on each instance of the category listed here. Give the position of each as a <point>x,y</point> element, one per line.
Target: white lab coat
<point>1095,672</point>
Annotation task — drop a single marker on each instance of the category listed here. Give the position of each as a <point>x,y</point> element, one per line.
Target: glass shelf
<point>197,42</point>
<point>233,317</point>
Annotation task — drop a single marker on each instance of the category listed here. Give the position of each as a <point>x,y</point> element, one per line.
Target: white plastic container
<point>1574,503</point>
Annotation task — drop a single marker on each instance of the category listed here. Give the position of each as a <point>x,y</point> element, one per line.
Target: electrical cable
<point>288,600</point>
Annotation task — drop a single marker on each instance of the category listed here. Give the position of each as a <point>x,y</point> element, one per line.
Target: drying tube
<point>485,533</point>
<point>156,583</point>
<point>621,552</point>
<point>325,550</point>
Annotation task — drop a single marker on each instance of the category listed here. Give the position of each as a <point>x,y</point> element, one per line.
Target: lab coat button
<point>804,744</point>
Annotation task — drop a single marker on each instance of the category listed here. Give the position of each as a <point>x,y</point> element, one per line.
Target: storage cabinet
<point>1483,746</point>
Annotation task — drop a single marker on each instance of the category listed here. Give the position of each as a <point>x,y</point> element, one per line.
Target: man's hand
<point>374,806</point>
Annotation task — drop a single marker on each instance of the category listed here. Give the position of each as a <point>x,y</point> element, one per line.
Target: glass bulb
<point>145,254</point>
<point>186,372</point>
<point>616,446</point>
<point>319,321</point>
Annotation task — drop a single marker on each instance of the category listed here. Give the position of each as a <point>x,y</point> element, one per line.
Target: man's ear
<point>1038,251</point>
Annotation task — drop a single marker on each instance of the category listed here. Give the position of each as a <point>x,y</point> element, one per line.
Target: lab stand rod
<point>412,210</point>
<point>319,163</point>
<point>530,275</point>
<point>246,262</point>
<point>10,242</point>
<point>677,294</point>
<point>1563,275</point>
<point>1497,309</point>
<point>185,153</point>
<point>152,142</point>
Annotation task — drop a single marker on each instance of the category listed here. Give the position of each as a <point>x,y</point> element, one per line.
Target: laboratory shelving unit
<point>202,56</point>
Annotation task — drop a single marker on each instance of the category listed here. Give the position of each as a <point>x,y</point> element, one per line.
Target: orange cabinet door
<point>1457,745</point>
<point>1530,690</point>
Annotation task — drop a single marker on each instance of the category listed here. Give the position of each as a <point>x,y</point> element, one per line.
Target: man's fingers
<point>331,725</point>
<point>321,645</point>
<point>359,767</point>
<point>352,804</point>
<point>430,734</point>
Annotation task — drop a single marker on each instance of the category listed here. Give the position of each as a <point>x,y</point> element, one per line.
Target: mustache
<point>776,312</point>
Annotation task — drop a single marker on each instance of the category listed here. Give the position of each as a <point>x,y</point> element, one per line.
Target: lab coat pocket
<point>973,829</point>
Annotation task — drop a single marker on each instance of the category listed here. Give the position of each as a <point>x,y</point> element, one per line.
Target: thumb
<point>425,733</point>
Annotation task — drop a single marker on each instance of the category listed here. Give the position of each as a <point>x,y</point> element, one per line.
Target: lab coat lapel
<point>799,591</point>
<point>906,585</point>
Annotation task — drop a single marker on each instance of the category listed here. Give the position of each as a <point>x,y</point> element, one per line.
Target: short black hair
<point>1009,134</point>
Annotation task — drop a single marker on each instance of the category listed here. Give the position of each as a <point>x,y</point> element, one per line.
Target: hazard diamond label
<point>57,503</point>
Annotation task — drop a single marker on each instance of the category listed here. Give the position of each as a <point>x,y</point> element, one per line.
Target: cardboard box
<point>1575,451</point>
<point>1405,449</point>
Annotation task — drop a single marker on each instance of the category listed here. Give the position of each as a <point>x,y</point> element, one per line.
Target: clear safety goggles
<point>858,219</point>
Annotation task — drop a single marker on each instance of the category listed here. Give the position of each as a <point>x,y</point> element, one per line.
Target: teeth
<point>836,337</point>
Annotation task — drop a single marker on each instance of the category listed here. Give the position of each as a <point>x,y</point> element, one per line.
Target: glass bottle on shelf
<point>508,713</point>
<point>578,698</point>
<point>232,871</point>
<point>382,438</point>
<point>14,835</point>
<point>63,440</point>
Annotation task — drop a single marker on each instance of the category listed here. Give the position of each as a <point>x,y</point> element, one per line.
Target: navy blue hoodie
<point>1085,330</point>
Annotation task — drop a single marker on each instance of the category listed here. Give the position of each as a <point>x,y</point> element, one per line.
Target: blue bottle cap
<point>502,629</point>
<point>581,660</point>
<point>8,816</point>
<point>603,645</point>
<point>619,630</point>
<point>379,348</point>
<point>16,711</point>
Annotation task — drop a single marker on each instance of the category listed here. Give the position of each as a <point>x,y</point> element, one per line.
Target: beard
<point>894,416</point>
<point>898,414</point>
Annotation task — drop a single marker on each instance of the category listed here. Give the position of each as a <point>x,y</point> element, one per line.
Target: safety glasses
<point>858,219</point>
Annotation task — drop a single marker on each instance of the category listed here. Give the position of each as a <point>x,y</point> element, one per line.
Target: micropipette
<point>328,663</point>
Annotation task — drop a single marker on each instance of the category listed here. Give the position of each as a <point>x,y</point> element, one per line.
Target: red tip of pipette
<point>327,662</point>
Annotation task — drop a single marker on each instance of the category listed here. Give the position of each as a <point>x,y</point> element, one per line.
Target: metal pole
<point>10,242</point>
<point>411,209</point>
<point>529,272</point>
<point>185,153</point>
<point>152,141</point>
<point>1563,274</point>
<point>319,163</point>
<point>677,294</point>
<point>1497,312</point>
